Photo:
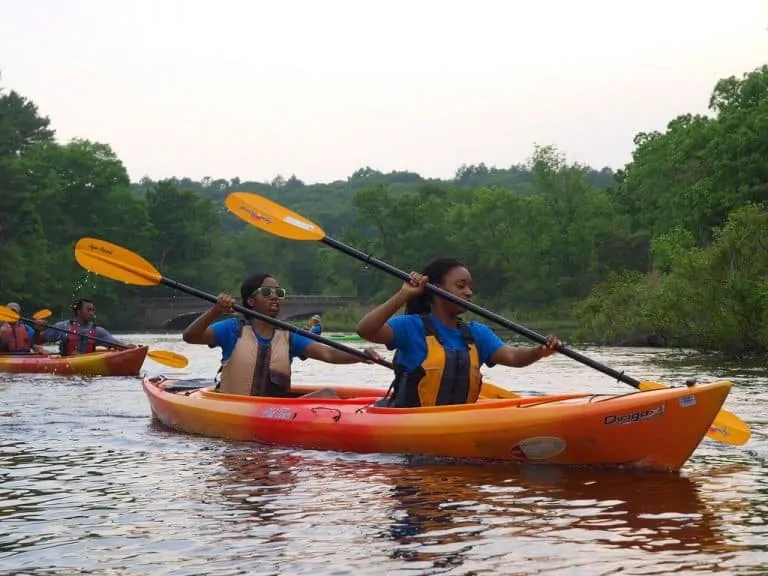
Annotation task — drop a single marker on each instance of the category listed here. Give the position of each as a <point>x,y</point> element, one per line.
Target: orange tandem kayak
<point>99,363</point>
<point>656,429</point>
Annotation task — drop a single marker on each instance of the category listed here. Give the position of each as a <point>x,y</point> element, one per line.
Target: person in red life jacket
<point>77,336</point>
<point>18,337</point>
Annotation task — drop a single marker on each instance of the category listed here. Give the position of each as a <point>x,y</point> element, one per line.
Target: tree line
<point>669,250</point>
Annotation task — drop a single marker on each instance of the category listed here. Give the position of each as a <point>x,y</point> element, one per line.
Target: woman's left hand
<point>552,345</point>
<point>372,353</point>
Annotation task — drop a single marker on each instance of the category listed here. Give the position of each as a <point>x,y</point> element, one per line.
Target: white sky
<point>321,88</point>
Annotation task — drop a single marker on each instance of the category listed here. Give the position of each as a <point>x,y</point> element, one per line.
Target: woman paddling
<point>438,356</point>
<point>256,357</point>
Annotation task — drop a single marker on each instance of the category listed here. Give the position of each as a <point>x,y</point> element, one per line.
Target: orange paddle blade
<point>727,427</point>
<point>115,262</point>
<point>272,217</point>
<point>42,314</point>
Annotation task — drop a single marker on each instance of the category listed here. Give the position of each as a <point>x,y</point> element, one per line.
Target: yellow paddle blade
<point>8,315</point>
<point>727,427</point>
<point>168,358</point>
<point>646,385</point>
<point>115,262</point>
<point>492,392</point>
<point>271,217</point>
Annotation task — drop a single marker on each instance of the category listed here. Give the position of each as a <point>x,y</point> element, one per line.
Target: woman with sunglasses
<point>256,357</point>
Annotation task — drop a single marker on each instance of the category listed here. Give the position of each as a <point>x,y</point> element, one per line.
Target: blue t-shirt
<point>317,329</point>
<point>411,345</point>
<point>226,338</point>
<point>51,334</point>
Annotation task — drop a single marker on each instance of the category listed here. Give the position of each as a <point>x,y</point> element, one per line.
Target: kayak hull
<point>99,363</point>
<point>657,429</point>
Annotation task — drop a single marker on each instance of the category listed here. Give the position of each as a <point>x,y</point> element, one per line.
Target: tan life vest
<point>256,369</point>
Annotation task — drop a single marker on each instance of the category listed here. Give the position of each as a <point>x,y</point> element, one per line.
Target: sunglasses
<point>269,291</point>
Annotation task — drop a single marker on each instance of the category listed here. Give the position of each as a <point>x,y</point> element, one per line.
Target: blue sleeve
<point>408,340</point>
<point>31,332</point>
<point>225,333</point>
<point>486,340</point>
<point>103,334</point>
<point>298,344</point>
<point>402,330</point>
<point>52,335</point>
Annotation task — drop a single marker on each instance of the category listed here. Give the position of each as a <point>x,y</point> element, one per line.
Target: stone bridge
<point>178,312</point>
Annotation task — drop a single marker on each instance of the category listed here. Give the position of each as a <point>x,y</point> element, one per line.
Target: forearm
<point>325,353</point>
<point>370,324</point>
<point>518,357</point>
<point>530,355</point>
<point>194,333</point>
<point>48,335</point>
<point>112,342</point>
<point>339,357</point>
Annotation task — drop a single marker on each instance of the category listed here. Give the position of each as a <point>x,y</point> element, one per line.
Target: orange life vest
<point>444,377</point>
<point>15,338</point>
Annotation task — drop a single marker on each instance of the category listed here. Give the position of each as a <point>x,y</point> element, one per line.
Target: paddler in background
<point>314,325</point>
<point>438,356</point>
<point>18,337</point>
<point>256,357</point>
<point>76,336</point>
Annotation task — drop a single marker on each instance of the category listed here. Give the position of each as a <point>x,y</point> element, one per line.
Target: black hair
<point>249,285</point>
<point>436,270</point>
<point>77,305</point>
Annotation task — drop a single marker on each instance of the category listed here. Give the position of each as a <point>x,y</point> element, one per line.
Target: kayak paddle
<point>280,221</point>
<point>118,263</point>
<point>165,357</point>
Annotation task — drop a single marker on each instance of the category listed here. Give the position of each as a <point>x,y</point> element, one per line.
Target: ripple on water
<point>91,486</point>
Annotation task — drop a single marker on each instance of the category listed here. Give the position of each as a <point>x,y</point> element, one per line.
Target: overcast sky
<point>323,87</point>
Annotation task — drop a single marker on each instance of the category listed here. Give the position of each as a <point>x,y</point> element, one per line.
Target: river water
<point>90,485</point>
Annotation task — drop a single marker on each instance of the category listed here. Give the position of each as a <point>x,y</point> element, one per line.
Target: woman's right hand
<point>414,286</point>
<point>225,304</point>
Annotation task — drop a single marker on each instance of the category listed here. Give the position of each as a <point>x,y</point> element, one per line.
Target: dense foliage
<point>671,249</point>
<point>700,192</point>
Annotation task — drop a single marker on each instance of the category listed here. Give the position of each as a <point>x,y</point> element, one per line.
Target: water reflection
<point>88,484</point>
<point>440,509</point>
<point>439,515</point>
<point>257,480</point>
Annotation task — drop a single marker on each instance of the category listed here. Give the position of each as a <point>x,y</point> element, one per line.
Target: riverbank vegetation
<point>671,250</point>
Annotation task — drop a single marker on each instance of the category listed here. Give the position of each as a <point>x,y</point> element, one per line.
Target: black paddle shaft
<point>522,330</point>
<point>106,343</point>
<point>274,321</point>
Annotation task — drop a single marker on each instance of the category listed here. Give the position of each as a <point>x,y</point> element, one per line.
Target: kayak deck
<point>657,429</point>
<point>100,363</point>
